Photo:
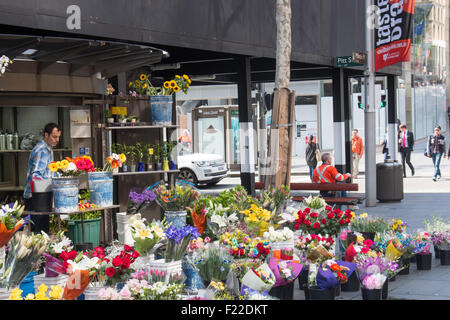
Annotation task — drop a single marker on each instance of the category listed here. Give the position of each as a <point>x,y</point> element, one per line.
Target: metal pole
<point>262,134</point>
<point>369,115</point>
<point>392,116</point>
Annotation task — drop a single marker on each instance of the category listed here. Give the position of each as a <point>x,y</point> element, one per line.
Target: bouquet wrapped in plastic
<point>198,215</point>
<point>285,271</point>
<point>213,263</point>
<point>260,279</point>
<point>10,221</point>
<point>24,252</point>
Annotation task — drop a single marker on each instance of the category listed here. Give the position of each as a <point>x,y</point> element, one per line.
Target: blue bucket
<point>27,284</point>
<point>101,188</point>
<point>177,218</point>
<point>161,110</point>
<point>65,194</point>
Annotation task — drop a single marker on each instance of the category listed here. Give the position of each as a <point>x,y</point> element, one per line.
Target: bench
<point>302,186</point>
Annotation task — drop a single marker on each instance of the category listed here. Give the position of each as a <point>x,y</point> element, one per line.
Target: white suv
<point>202,168</point>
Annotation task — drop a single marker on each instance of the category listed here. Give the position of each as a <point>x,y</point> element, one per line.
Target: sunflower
<point>166,84</point>
<point>143,77</point>
<point>53,167</point>
<point>176,89</point>
<point>144,86</point>
<point>172,83</point>
<point>130,84</point>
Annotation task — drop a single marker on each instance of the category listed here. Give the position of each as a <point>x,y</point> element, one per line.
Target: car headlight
<point>202,163</point>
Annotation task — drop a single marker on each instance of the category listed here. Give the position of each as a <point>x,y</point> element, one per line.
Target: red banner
<point>394,36</point>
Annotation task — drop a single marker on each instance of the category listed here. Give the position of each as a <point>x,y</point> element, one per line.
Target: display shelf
<point>139,127</point>
<point>12,188</point>
<point>144,172</point>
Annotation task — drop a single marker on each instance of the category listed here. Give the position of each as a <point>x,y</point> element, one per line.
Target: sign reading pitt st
<point>73,21</point>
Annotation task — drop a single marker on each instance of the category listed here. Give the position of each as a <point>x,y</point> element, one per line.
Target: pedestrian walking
<point>405,146</point>
<point>312,155</point>
<point>436,150</point>
<point>357,152</point>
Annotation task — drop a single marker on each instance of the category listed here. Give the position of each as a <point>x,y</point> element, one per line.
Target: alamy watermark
<point>73,21</point>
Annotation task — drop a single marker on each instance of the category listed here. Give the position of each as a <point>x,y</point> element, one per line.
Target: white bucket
<point>123,229</point>
<point>91,293</point>
<point>60,280</point>
<point>173,267</point>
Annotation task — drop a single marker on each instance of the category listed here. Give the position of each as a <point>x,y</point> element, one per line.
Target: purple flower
<point>178,234</point>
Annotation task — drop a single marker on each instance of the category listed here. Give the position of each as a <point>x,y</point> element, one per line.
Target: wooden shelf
<point>35,213</point>
<point>139,127</point>
<point>144,172</point>
<point>12,188</point>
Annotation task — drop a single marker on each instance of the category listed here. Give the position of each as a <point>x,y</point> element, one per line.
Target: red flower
<point>341,276</point>
<point>106,260</point>
<point>368,243</point>
<point>110,271</point>
<point>80,165</point>
<point>241,252</point>
<point>307,210</point>
<point>328,208</point>
<point>99,250</point>
<point>330,215</point>
<point>266,251</point>
<point>63,255</point>
<point>341,222</point>
<point>316,225</point>
<point>335,267</point>
<point>135,254</point>
<point>125,262</point>
<point>72,255</point>
<point>128,248</point>
<point>307,222</point>
<point>324,221</point>
<point>314,215</point>
<point>117,262</point>
<point>347,221</point>
<point>297,226</point>
<point>364,250</point>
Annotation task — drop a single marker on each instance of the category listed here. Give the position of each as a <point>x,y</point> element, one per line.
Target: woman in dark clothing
<point>310,154</point>
<point>436,150</point>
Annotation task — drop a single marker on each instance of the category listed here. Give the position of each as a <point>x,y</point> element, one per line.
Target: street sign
<point>345,61</point>
<point>358,57</point>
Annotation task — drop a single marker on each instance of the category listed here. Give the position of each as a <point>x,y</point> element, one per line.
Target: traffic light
<point>383,100</point>
<point>360,105</point>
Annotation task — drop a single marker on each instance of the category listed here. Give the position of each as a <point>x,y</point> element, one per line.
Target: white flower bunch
<point>223,221</point>
<point>282,235</point>
<point>59,244</point>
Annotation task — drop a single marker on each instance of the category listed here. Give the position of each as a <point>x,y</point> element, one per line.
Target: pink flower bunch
<point>140,275</point>
<point>374,281</point>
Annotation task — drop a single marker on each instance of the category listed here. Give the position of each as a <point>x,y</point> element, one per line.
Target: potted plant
<point>130,153</point>
<point>122,120</point>
<point>109,117</point>
<point>159,157</point>
<point>140,155</point>
<point>148,152</point>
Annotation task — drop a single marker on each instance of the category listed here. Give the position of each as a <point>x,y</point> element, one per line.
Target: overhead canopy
<point>107,57</point>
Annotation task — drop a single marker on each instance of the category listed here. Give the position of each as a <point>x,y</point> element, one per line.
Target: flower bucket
<point>5,293</point>
<point>123,229</point>
<point>316,293</point>
<point>352,284</point>
<point>423,261</point>
<point>142,262</point>
<point>280,245</point>
<point>65,194</point>
<point>404,262</point>
<point>445,257</point>
<point>91,231</point>
<point>173,267</point>
<point>193,280</point>
<point>285,292</point>
<point>373,294</point>
<point>385,290</point>
<point>60,280</point>
<point>161,110</point>
<point>303,278</point>
<point>177,218</point>
<point>436,252</point>
<point>101,192</point>
<point>91,293</point>
<point>338,291</point>
<point>52,265</point>
<point>413,259</point>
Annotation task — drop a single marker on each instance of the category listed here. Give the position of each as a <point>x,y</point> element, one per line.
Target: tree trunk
<point>283,54</point>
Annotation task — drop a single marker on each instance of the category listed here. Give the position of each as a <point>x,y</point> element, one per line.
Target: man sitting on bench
<point>327,173</point>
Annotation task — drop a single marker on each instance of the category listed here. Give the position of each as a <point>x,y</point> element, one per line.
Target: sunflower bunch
<point>177,84</point>
<point>143,86</point>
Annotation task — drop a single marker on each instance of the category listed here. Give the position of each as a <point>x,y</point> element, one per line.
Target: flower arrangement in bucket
<point>178,241</point>
<point>119,268</point>
<point>147,235</point>
<point>72,167</point>
<point>138,201</point>
<point>257,218</point>
<point>212,263</point>
<point>281,237</point>
<point>422,249</point>
<point>275,198</point>
<point>114,162</point>
<point>143,86</point>
<point>54,294</point>
<point>368,226</point>
<point>260,279</point>
<point>241,246</point>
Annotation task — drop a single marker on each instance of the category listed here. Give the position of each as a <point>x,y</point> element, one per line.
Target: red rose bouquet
<point>322,221</point>
<point>118,269</point>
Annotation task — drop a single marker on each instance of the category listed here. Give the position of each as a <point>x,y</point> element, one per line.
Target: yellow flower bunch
<point>256,214</point>
<point>217,285</point>
<point>58,165</point>
<point>398,225</point>
<point>55,293</point>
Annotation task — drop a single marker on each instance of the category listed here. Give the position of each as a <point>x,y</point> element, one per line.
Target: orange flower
<point>115,164</point>
<point>335,267</point>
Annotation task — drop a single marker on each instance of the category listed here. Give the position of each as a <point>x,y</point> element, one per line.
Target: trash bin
<point>389,181</point>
